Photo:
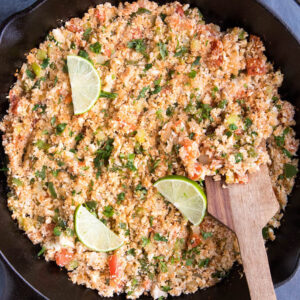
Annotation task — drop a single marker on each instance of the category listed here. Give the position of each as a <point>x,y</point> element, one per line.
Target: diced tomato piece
<point>68,99</point>
<point>100,15</point>
<point>197,171</point>
<point>216,57</point>
<point>256,66</point>
<point>73,28</point>
<point>195,240</point>
<point>113,266</point>
<point>180,10</point>
<point>63,257</point>
<point>14,102</point>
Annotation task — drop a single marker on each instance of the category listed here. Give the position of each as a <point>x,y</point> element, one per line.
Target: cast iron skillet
<point>26,29</point>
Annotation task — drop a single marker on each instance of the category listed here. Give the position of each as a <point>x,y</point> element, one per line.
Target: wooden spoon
<point>246,209</point>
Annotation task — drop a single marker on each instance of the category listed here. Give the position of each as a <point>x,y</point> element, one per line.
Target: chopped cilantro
<point>83,54</point>
<point>138,45</point>
<point>30,74</point>
<point>142,93</point>
<point>159,238</point>
<point>86,34</point>
<point>108,95</point>
<point>57,231</point>
<point>96,47</point>
<point>60,128</point>
<point>120,197</point>
<point>52,190</point>
<point>163,50</point>
<point>131,252</point>
<point>204,262</point>
<point>145,241</point>
<point>233,127</point>
<point>17,181</point>
<point>180,52</point>
<point>192,74</point>
<point>289,171</point>
<point>45,63</point>
<point>108,211</point>
<point>238,157</point>
<point>148,67</point>
<point>196,61</point>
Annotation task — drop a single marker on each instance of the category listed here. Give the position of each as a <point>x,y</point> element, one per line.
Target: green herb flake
<point>238,157</point>
<point>108,211</point>
<point>222,104</point>
<point>142,93</point>
<point>204,262</point>
<point>57,231</point>
<point>131,252</point>
<point>180,52</point>
<point>83,54</point>
<point>233,127</point>
<point>41,252</point>
<point>108,95</point>
<point>166,288</point>
<point>52,190</point>
<point>196,61</point>
<point>206,235</point>
<point>145,241</point>
<point>138,45</point>
<point>86,34</point>
<point>96,47</point>
<point>30,74</point>
<point>45,63</point>
<point>163,50</point>
<point>192,74</point>
<point>148,67</point>
<point>53,121</point>
<point>289,171</point>
<point>120,197</point>
<point>17,181</point>
<point>159,238</point>
<point>60,128</point>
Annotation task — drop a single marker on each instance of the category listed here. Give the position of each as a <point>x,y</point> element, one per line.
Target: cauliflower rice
<point>181,97</point>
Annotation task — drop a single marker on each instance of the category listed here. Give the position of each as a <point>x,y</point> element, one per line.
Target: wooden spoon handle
<point>255,263</point>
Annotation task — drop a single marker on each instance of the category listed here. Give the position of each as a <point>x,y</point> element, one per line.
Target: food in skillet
<point>177,97</point>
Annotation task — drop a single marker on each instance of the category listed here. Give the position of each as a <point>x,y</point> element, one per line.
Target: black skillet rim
<point>36,5</point>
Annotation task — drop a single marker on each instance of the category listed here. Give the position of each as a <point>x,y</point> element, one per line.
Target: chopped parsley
<point>206,235</point>
<point>30,74</point>
<point>233,127</point>
<point>204,262</point>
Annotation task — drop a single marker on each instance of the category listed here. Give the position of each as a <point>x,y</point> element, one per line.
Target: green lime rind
<point>92,233</point>
<point>186,195</point>
<point>85,83</point>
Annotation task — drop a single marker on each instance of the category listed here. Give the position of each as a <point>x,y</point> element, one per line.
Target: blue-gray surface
<point>289,12</point>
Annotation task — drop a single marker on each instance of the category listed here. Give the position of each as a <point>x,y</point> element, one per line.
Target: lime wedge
<point>93,233</point>
<point>85,83</point>
<point>186,195</point>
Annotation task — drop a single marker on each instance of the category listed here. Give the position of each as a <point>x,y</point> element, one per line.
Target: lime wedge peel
<point>93,233</point>
<point>85,83</point>
<point>186,195</point>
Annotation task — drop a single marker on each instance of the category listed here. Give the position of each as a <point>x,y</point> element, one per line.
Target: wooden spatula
<point>246,209</point>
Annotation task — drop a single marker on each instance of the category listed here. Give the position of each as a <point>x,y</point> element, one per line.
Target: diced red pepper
<point>113,266</point>
<point>63,257</point>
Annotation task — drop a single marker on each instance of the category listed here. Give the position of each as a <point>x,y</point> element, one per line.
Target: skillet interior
<point>26,30</point>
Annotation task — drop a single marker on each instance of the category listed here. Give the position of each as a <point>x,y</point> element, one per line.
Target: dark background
<point>289,12</point>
